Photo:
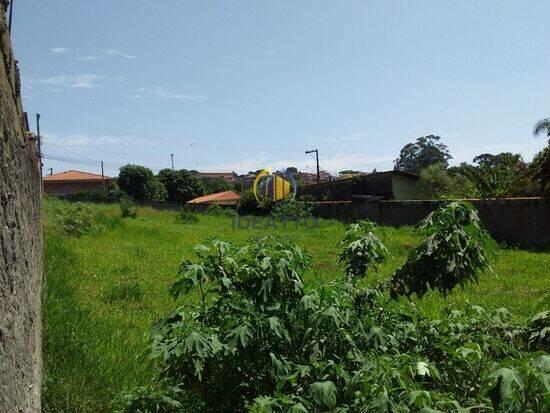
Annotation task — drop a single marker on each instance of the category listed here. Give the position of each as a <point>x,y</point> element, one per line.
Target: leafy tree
<point>452,252</point>
<point>132,179</point>
<point>180,185</point>
<point>542,127</point>
<point>435,182</point>
<point>349,172</point>
<point>426,151</point>
<point>155,190</point>
<point>539,170</point>
<point>214,185</point>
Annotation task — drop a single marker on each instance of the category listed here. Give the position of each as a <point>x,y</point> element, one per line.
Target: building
<point>307,178</point>
<point>398,185</point>
<point>226,198</point>
<point>72,182</point>
<point>229,177</point>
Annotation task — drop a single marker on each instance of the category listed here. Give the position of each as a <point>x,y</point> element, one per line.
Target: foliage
<point>127,208</point>
<point>435,182</point>
<point>452,252</point>
<point>217,210</point>
<point>77,220</point>
<point>426,151</point>
<point>291,209</point>
<point>187,216</point>
<point>337,347</point>
<point>361,249</point>
<point>542,127</point>
<point>497,176</point>
<point>133,180</point>
<point>214,185</point>
<point>249,205</point>
<point>155,190</point>
<point>540,171</point>
<point>181,185</point>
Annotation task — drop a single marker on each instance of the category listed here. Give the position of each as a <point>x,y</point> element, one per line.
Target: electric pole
<point>172,156</point>
<point>51,171</point>
<point>39,140</point>
<point>317,159</point>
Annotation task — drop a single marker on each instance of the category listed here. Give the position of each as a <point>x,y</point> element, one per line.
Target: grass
<point>102,292</point>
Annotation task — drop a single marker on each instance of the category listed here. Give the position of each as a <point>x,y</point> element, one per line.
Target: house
<point>398,185</point>
<point>229,177</point>
<point>226,198</point>
<point>72,182</point>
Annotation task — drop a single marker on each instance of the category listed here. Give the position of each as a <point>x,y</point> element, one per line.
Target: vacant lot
<point>104,290</point>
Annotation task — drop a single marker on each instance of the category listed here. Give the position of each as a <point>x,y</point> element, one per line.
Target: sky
<point>242,85</point>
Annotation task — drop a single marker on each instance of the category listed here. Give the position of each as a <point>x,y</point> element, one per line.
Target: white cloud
<point>118,53</point>
<point>58,50</point>
<point>84,81</point>
<point>163,93</point>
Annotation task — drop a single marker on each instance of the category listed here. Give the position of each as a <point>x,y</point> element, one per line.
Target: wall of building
<point>63,188</point>
<point>523,221</point>
<point>404,187</point>
<point>20,246</point>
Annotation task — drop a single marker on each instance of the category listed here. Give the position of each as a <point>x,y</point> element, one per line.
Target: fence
<point>523,221</point>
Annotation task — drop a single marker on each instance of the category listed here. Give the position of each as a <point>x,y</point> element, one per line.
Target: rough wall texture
<point>524,221</point>
<point>20,247</point>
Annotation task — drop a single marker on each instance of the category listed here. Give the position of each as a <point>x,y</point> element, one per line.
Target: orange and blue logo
<point>274,186</point>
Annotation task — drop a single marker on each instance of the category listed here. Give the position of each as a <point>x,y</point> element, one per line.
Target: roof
<point>221,198</point>
<point>72,175</point>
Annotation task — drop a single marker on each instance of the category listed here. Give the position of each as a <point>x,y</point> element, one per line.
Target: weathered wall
<point>20,247</point>
<point>524,221</point>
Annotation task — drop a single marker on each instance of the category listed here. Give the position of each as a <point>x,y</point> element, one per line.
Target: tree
<point>132,179</point>
<point>155,190</point>
<point>214,185</point>
<point>542,126</point>
<point>540,171</point>
<point>181,185</point>
<point>426,151</point>
<point>434,182</point>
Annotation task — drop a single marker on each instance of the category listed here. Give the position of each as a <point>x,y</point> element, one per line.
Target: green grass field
<point>102,292</point>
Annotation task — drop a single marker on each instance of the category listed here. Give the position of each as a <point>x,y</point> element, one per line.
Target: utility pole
<point>51,171</point>
<point>317,159</point>
<point>39,140</point>
<point>103,178</point>
<point>172,156</point>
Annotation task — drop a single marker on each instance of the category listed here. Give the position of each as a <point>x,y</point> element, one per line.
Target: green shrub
<point>77,220</point>
<point>127,208</point>
<point>362,249</point>
<point>249,205</point>
<point>217,210</point>
<point>291,209</point>
<point>187,216</point>
<point>452,252</point>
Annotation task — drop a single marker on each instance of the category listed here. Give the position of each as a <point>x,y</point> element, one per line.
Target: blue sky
<point>242,85</point>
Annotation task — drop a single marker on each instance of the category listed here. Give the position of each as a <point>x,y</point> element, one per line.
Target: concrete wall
<point>63,188</point>
<point>20,247</point>
<point>523,221</point>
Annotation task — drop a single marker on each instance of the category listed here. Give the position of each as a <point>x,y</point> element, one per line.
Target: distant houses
<point>72,182</point>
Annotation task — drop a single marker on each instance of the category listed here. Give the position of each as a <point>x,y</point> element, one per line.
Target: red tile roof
<point>73,175</point>
<point>221,198</point>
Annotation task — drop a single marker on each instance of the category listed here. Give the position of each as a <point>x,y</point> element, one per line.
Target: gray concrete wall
<point>20,247</point>
<point>523,221</point>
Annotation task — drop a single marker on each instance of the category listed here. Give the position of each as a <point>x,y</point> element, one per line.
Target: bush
<point>291,209</point>
<point>452,252</point>
<point>77,220</point>
<point>217,210</point>
<point>187,216</point>
<point>259,340</point>
<point>127,208</point>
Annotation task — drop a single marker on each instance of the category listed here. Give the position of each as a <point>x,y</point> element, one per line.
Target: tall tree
<point>181,185</point>
<point>542,127</point>
<point>133,179</point>
<point>426,151</point>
